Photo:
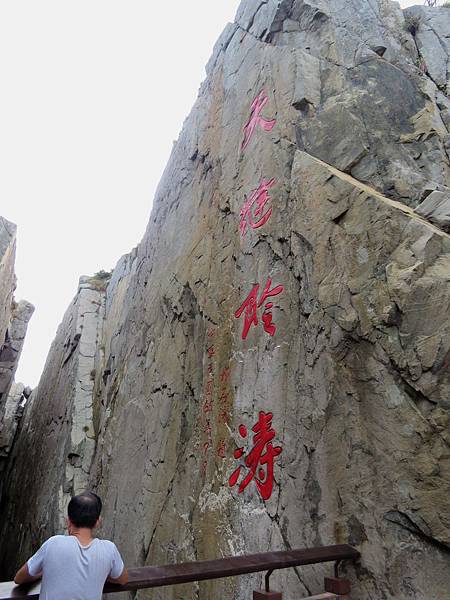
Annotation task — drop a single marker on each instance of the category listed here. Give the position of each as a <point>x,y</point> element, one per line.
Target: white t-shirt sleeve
<point>36,562</point>
<point>116,563</point>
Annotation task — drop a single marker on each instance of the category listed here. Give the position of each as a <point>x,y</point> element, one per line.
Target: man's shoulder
<point>107,544</point>
<point>56,539</point>
<point>109,548</point>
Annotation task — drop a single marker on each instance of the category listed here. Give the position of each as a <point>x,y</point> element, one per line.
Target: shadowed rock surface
<point>14,319</point>
<point>357,372</point>
<point>15,402</point>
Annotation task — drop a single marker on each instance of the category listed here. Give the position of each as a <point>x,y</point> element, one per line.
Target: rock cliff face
<point>7,285</point>
<point>312,180</point>
<point>14,319</point>
<point>61,411</point>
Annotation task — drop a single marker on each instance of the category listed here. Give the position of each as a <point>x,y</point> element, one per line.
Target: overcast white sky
<point>94,93</point>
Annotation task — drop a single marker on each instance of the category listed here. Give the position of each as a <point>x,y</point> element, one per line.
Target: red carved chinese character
<point>223,396</point>
<point>207,407</point>
<point>260,459</point>
<point>211,352</point>
<point>225,375</point>
<point>211,332</point>
<point>257,200</point>
<point>222,448</point>
<point>224,417</point>
<point>251,304</point>
<point>255,119</point>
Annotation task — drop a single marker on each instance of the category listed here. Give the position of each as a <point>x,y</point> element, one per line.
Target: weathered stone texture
<point>357,373</point>
<point>20,314</point>
<point>14,317</point>
<point>431,29</point>
<point>436,208</point>
<point>13,412</point>
<point>7,286</point>
<point>55,441</point>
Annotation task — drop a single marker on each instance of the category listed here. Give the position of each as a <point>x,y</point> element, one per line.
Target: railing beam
<point>158,576</point>
<point>267,595</point>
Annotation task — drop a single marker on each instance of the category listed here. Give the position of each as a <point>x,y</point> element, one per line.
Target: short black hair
<point>84,509</point>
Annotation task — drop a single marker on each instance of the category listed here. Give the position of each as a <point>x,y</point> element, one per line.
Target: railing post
<point>267,594</point>
<point>337,585</point>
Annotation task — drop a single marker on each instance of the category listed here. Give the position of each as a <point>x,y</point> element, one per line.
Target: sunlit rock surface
<point>146,407</point>
<point>7,286</point>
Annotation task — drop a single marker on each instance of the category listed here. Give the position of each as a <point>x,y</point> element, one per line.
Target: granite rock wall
<point>55,436</point>
<point>310,179</point>
<point>14,318</point>
<point>7,286</point>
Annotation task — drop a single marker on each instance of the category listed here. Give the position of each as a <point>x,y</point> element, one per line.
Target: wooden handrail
<point>149,577</point>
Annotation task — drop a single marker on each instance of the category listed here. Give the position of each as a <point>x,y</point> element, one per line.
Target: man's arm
<point>121,580</point>
<point>23,576</point>
<point>117,567</point>
<point>32,569</point>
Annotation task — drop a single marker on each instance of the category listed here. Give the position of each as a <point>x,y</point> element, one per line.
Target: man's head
<point>84,510</point>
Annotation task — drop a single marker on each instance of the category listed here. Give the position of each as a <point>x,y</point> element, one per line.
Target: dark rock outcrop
<point>14,319</point>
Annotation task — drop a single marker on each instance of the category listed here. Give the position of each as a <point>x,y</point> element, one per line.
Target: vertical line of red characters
<point>255,213</point>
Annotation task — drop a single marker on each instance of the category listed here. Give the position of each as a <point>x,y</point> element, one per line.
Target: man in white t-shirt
<point>75,566</point>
